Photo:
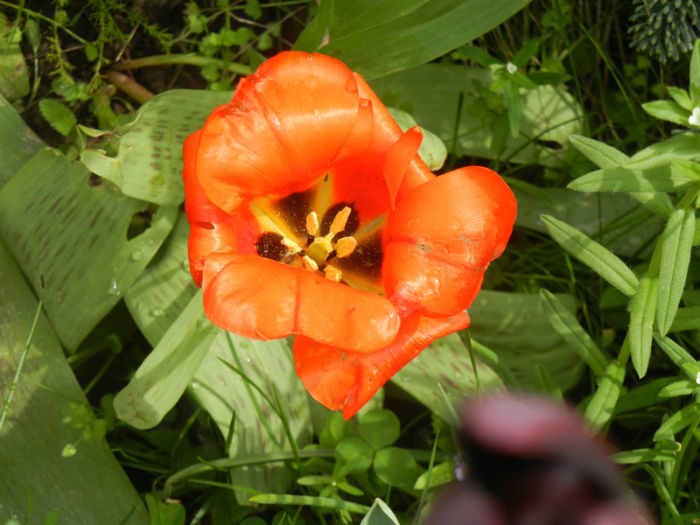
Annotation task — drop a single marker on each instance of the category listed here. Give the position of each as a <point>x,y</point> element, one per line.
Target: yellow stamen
<point>294,248</point>
<point>309,263</point>
<point>320,249</point>
<point>345,246</point>
<point>333,273</point>
<point>340,220</point>
<point>312,223</point>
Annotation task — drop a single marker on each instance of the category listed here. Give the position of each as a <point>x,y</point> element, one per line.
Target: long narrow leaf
<point>641,323</point>
<point>595,256</point>
<point>602,405</point>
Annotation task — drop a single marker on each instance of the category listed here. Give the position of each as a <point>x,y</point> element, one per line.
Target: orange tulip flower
<point>312,214</point>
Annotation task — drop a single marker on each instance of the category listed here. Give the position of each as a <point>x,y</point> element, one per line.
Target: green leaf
<point>683,387</point>
<point>45,391</point>
<point>163,376</point>
<point>643,455</point>
<point>613,218</point>
<point>680,356</point>
<point>378,37</point>
<point>695,75</point>
<point>439,475</point>
<point>379,427</point>
<point>598,258</point>
<point>162,513</point>
<point>312,501</point>
<point>599,153</point>
<point>642,311</point>
<point>667,110</point>
<point>432,150</point>
<point>677,422</point>
<point>601,406</point>
<point>379,514</point>
<point>59,116</point>
<point>566,324</point>
<point>71,238</point>
<point>687,318</point>
<point>436,94</point>
<point>150,151</point>
<point>682,147</point>
<point>499,320</point>
<point>673,270</point>
<point>355,454</point>
<point>14,76</point>
<point>396,467</point>
<point>681,97</point>
<point>660,178</point>
<point>444,364</point>
<point>18,143</point>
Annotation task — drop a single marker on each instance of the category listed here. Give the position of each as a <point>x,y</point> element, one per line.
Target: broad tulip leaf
<point>444,367</point>
<point>378,37</point>
<point>564,322</point>
<point>70,237</point>
<point>148,165</point>
<point>432,94</point>
<point>156,300</point>
<point>379,514</point>
<point>35,475</point>
<point>642,313</point>
<point>18,143</point>
<point>162,378</point>
<point>595,256</point>
<point>673,269</point>
<point>516,326</point>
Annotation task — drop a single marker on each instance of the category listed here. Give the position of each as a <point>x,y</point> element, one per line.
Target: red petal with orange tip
<point>264,299</point>
<point>341,379</point>
<point>449,228</point>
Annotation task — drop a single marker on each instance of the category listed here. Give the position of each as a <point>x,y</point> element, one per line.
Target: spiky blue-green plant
<point>665,29</point>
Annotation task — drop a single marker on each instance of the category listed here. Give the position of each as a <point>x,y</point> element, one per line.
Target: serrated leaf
<point>673,269</point>
<point>71,239</point>
<point>566,324</point>
<point>45,392</point>
<point>598,258</point>
<point>58,116</point>
<point>14,75</point>
<point>377,37</point>
<point>667,110</point>
<point>379,514</point>
<point>601,154</point>
<point>642,312</point>
<point>601,406</point>
<point>657,179</point>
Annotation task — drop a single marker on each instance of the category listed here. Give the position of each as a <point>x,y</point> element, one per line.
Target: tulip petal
<point>341,379</point>
<point>398,158</point>
<point>301,107</point>
<point>441,238</point>
<point>263,299</point>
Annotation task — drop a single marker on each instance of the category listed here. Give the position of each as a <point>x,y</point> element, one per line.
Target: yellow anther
<point>333,273</point>
<point>293,247</point>
<point>320,249</point>
<point>345,246</point>
<point>309,263</point>
<point>340,220</point>
<point>312,223</point>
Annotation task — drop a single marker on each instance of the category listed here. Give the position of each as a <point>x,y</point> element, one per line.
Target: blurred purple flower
<point>531,461</point>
